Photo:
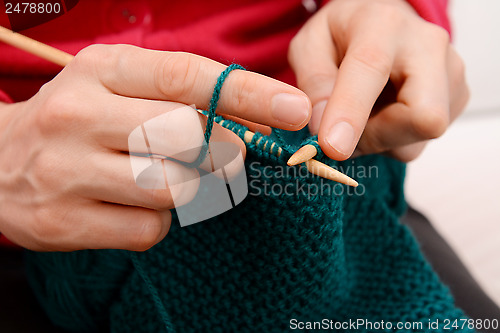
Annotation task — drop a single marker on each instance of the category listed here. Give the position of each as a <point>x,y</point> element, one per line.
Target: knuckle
<point>46,89</point>
<point>370,143</point>
<point>410,152</point>
<point>115,62</point>
<point>97,53</point>
<point>58,111</point>
<point>90,56</point>
<point>175,75</point>
<point>102,61</point>
<point>47,227</point>
<point>48,173</point>
<point>438,34</point>
<point>160,199</point>
<point>293,47</point>
<point>373,58</point>
<point>242,94</point>
<point>149,233</point>
<point>431,123</point>
<point>55,106</point>
<point>185,192</point>
<point>315,81</point>
<point>458,72</point>
<point>179,134</point>
<point>186,134</point>
<point>43,166</point>
<point>387,12</point>
<point>407,155</point>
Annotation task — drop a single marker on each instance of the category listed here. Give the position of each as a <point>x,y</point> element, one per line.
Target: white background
<point>456,182</point>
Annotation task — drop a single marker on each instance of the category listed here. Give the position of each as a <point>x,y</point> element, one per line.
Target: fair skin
<point>63,174</point>
<point>67,183</point>
<point>343,58</point>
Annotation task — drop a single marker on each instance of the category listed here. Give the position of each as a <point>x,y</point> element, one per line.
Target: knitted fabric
<point>273,258</point>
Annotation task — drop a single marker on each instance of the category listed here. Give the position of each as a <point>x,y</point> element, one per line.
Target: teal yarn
<point>212,106</point>
<point>153,291</point>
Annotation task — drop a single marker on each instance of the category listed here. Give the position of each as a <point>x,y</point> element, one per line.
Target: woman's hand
<point>65,181</point>
<point>380,78</point>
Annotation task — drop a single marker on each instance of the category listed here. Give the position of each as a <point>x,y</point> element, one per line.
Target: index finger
<point>190,79</point>
<point>362,75</point>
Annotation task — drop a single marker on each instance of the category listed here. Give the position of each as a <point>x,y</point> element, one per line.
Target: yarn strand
<point>154,294</point>
<point>212,106</point>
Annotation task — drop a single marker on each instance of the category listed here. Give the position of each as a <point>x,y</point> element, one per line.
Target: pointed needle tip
<point>302,155</point>
<point>325,171</point>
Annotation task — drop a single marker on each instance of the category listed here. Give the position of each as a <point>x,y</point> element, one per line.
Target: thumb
<point>312,57</point>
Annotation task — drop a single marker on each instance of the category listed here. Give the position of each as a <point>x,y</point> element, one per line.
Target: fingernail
<point>341,138</point>
<point>317,114</point>
<point>290,109</point>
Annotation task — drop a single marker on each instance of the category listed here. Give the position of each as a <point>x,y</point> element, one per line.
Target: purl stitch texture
<point>252,269</point>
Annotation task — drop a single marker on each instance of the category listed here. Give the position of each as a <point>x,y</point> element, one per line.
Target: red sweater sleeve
<point>4,242</point>
<point>4,97</point>
<point>433,11</point>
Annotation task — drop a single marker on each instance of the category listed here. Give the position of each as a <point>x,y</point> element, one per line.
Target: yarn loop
<point>212,106</point>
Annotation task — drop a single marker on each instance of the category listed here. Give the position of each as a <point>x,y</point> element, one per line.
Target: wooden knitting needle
<point>313,166</point>
<point>323,170</point>
<point>304,154</point>
<point>34,47</point>
<point>248,137</point>
<point>62,58</point>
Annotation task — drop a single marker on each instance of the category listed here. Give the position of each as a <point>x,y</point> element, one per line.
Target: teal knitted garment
<point>274,258</point>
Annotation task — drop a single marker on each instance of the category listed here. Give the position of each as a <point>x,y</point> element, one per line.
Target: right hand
<point>65,181</point>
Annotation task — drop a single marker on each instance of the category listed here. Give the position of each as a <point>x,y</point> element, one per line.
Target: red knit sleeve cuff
<point>434,11</point>
<point>4,97</point>
<point>6,243</point>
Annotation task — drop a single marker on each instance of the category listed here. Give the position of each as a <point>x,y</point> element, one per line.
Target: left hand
<point>381,79</point>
